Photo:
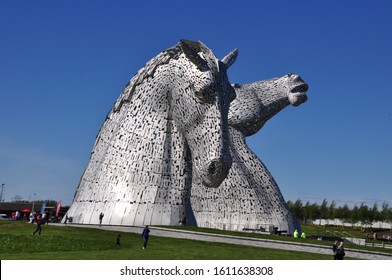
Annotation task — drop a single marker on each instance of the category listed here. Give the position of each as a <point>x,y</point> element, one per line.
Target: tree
<point>363,214</point>
<point>49,202</point>
<point>323,210</point>
<point>385,212</point>
<point>332,210</point>
<point>306,212</point>
<point>354,215</point>
<point>311,211</point>
<point>297,209</point>
<point>343,213</point>
<point>374,213</point>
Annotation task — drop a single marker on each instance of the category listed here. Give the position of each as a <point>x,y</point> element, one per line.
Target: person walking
<point>47,218</point>
<point>118,241</point>
<point>334,249</point>
<point>39,228</point>
<point>100,218</point>
<point>145,235</point>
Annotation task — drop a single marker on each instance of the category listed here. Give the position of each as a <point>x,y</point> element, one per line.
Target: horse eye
<point>204,95</point>
<point>200,95</point>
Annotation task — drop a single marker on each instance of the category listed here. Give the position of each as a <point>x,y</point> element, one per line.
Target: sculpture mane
<point>147,71</point>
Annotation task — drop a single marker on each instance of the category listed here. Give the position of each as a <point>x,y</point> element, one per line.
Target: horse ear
<point>191,49</point>
<point>230,58</point>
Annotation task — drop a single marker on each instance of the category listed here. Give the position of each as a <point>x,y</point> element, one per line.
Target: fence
<point>337,222</point>
<point>379,245</point>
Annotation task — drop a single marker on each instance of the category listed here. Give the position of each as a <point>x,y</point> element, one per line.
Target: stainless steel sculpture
<point>249,197</point>
<point>172,148</point>
<point>170,120</point>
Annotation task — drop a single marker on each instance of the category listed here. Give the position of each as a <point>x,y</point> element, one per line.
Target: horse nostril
<point>298,79</point>
<point>212,167</point>
<point>216,171</point>
<point>218,167</point>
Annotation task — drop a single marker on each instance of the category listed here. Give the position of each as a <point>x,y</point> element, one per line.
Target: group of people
<point>145,236</point>
<point>338,250</point>
<point>44,217</point>
<point>297,235</point>
<point>145,233</point>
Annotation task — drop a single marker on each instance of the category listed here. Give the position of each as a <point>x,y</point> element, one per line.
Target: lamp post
<point>32,210</point>
<point>2,193</point>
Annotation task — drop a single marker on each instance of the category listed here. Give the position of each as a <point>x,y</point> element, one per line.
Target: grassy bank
<point>71,243</point>
<point>311,230</point>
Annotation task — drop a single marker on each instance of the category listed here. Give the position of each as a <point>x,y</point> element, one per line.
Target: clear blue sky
<point>64,63</point>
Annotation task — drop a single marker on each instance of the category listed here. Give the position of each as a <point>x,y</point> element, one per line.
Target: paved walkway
<point>246,241</point>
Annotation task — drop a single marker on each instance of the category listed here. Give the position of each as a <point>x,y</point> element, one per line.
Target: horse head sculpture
<point>205,92</point>
<point>249,198</point>
<point>172,113</point>
<point>259,101</point>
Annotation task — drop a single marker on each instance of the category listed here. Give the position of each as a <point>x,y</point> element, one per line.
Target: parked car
<point>3,217</point>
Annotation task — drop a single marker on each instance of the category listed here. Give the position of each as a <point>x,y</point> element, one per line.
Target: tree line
<point>50,202</point>
<point>363,213</point>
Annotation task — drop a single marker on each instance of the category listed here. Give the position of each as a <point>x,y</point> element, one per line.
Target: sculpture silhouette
<point>172,149</point>
<point>249,198</point>
<point>170,121</point>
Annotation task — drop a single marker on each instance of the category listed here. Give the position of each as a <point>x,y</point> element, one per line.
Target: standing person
<point>182,222</point>
<point>32,217</point>
<point>340,251</point>
<point>296,234</point>
<point>38,221</point>
<point>100,218</point>
<point>47,218</point>
<point>145,235</point>
<point>303,235</point>
<point>43,217</point>
<point>334,249</point>
<point>118,241</point>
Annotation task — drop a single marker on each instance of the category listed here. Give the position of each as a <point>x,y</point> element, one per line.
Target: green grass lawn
<point>73,243</point>
<point>310,230</point>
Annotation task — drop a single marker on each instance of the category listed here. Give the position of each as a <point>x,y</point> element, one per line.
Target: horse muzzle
<point>297,94</point>
<point>215,171</point>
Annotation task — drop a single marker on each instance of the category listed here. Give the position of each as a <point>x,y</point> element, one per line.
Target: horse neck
<point>255,104</point>
<point>273,96</point>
